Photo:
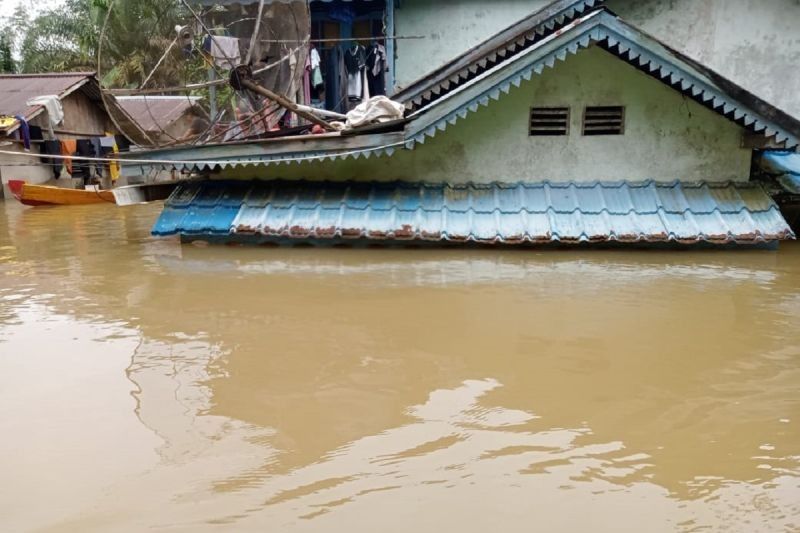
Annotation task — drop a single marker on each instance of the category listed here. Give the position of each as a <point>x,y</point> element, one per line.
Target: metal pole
<point>390,47</point>
<point>212,94</point>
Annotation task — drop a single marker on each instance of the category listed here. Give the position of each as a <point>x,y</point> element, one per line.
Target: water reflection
<point>331,389</point>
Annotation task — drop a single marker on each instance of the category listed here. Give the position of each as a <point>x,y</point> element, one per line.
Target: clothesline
<point>345,40</point>
<point>204,162</point>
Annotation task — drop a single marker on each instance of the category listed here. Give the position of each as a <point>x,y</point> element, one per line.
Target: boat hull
<point>44,195</point>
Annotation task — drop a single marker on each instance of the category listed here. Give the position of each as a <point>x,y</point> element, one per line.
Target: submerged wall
<point>21,168</point>
<point>755,43</point>
<point>667,136</point>
<point>449,28</point>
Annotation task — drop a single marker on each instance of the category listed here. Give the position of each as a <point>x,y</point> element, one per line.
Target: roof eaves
<point>629,44</point>
<point>285,150</point>
<point>498,48</point>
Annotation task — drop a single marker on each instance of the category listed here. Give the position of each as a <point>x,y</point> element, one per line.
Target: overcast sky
<point>7,6</point>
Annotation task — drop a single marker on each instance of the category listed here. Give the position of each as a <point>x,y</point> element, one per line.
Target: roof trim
<point>627,43</point>
<point>498,48</point>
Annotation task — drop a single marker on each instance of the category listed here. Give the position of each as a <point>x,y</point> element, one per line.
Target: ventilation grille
<point>606,120</point>
<point>549,121</point>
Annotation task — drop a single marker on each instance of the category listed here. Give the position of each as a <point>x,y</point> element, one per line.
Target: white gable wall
<point>667,136</point>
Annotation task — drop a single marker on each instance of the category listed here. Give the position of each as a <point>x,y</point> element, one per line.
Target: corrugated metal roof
<point>785,166</point>
<point>17,89</point>
<point>156,113</point>
<point>497,213</point>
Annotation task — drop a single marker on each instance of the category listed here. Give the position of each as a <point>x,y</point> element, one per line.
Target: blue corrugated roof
<point>719,213</point>
<point>785,166</point>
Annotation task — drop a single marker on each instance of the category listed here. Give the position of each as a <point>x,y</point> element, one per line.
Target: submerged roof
<point>512,214</point>
<point>17,89</point>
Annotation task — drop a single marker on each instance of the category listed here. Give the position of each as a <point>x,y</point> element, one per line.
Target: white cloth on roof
<point>376,109</point>
<point>225,51</point>
<point>52,104</point>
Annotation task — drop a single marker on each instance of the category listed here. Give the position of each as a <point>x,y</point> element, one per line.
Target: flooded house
<point>571,126</point>
<point>54,114</point>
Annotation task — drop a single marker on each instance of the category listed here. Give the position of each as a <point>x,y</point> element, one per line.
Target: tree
<point>58,39</point>
<point>7,63</point>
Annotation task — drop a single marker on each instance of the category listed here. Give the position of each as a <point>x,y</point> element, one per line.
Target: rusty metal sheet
<point>498,213</point>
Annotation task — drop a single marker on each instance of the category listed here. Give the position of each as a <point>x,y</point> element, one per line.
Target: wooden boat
<point>37,195</point>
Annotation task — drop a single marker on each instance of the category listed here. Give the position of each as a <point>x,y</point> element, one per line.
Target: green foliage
<point>7,63</point>
<point>68,38</point>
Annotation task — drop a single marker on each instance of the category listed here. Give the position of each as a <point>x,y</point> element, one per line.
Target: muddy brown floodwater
<point>148,385</point>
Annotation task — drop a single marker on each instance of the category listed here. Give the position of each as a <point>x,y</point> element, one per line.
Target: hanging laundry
<point>307,81</point>
<point>52,148</point>
<point>376,68</point>
<point>7,122</point>
<point>68,148</point>
<point>36,133</point>
<point>223,50</point>
<point>109,146</point>
<point>316,70</point>
<point>355,59</point>
<point>333,87</point>
<point>97,148</point>
<point>55,111</point>
<point>80,167</point>
<point>24,131</point>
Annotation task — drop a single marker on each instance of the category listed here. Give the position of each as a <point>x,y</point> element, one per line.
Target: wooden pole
<point>285,103</point>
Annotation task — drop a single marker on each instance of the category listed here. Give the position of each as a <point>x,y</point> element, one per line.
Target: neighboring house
<point>754,44</point>
<point>83,108</point>
<point>165,119</point>
<point>571,126</point>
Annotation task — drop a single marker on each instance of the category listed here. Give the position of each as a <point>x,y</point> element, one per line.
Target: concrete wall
<point>449,28</point>
<point>21,168</point>
<point>755,43</point>
<point>667,137</point>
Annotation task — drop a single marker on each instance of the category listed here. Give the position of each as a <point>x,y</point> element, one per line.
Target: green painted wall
<point>667,137</point>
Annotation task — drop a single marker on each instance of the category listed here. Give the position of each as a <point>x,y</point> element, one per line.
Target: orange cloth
<point>68,148</point>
